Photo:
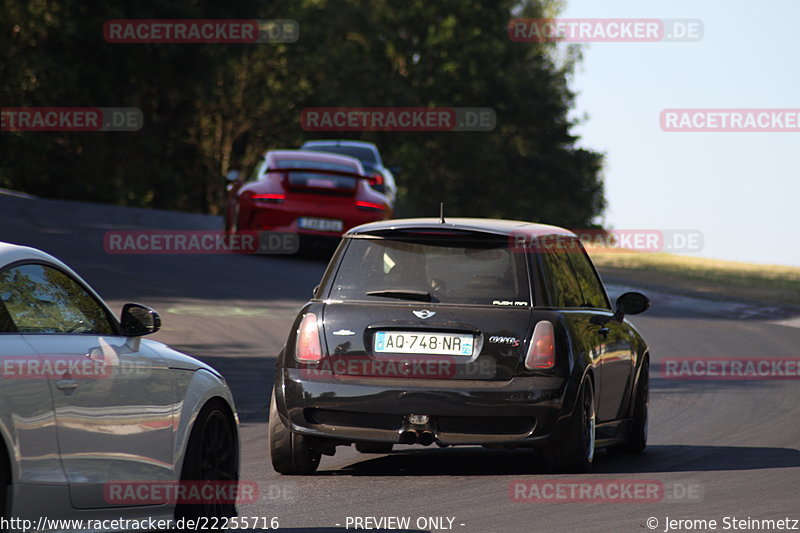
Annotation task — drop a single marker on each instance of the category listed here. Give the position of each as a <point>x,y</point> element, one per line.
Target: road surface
<point>717,448</point>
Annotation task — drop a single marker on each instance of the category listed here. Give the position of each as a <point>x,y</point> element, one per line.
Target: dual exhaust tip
<point>411,436</point>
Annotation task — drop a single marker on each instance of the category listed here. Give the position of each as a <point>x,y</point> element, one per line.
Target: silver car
<point>95,421</point>
<point>370,158</point>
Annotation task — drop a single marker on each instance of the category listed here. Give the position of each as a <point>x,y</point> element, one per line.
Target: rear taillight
<point>269,198</point>
<point>370,206</point>
<point>542,350</point>
<point>376,179</point>
<point>308,348</point>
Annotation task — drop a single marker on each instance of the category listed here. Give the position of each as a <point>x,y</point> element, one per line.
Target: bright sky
<point>742,190</point>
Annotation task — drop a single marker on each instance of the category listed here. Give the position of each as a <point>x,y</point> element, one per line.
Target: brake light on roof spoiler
<point>542,349</point>
<point>308,348</point>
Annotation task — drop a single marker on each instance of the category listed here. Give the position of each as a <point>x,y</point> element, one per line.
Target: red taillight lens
<point>376,179</point>
<point>308,348</point>
<point>370,206</point>
<point>542,350</point>
<point>267,197</point>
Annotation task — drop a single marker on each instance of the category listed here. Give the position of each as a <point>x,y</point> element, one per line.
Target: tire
<point>637,437</point>
<point>575,452</point>
<point>291,453</point>
<point>211,456</point>
<point>374,447</point>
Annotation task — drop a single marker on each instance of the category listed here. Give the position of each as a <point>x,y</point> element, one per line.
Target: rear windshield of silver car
<point>365,155</point>
<point>448,271</point>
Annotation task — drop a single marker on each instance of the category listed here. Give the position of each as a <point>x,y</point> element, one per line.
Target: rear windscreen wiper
<point>403,294</point>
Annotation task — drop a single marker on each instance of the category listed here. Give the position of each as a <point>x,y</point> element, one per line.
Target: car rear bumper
<point>524,410</point>
<point>284,217</point>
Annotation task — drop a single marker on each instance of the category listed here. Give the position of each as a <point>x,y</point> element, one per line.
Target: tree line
<point>208,108</point>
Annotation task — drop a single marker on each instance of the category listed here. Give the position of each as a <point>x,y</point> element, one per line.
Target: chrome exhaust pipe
<point>426,438</point>
<point>408,437</point>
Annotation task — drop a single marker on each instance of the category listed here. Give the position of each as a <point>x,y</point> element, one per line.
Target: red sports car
<point>309,193</point>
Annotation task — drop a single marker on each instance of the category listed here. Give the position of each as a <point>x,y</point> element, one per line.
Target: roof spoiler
<point>323,171</point>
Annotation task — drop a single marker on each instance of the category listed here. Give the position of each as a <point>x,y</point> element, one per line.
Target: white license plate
<point>319,224</point>
<point>423,343</point>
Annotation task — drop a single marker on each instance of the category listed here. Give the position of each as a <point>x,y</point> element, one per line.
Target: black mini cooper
<point>460,332</point>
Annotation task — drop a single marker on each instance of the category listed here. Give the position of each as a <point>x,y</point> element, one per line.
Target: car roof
<point>320,157</point>
<point>11,253</point>
<point>484,225</point>
<point>365,145</point>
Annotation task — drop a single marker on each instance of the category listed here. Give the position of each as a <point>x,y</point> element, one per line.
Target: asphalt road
<point>718,448</point>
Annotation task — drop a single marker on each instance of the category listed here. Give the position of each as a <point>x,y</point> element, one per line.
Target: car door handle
<point>67,384</point>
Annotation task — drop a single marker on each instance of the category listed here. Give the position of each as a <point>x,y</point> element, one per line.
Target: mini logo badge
<point>424,313</point>
<point>345,332</point>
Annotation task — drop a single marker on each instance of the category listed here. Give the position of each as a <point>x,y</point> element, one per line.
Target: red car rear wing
<point>323,171</point>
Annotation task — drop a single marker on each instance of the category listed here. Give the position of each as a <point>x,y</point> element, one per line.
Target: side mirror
<point>138,320</point>
<point>233,175</point>
<point>631,303</point>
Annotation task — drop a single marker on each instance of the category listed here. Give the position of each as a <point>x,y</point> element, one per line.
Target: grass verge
<point>773,284</point>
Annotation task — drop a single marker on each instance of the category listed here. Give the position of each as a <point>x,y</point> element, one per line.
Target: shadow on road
<point>699,458</point>
<point>74,232</point>
<point>250,380</point>
<point>664,458</point>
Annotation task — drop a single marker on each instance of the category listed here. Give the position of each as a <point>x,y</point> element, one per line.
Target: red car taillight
<point>370,206</point>
<point>308,348</point>
<point>270,198</point>
<point>542,350</point>
<point>377,179</point>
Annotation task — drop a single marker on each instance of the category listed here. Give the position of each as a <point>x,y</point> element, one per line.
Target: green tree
<point>208,108</point>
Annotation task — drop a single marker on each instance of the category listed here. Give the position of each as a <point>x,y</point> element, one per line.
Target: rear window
<point>321,181</point>
<point>476,272</point>
<point>365,155</point>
